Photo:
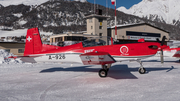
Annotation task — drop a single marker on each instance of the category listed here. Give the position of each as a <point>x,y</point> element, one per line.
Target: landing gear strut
<point>104,71</point>
<point>141,70</point>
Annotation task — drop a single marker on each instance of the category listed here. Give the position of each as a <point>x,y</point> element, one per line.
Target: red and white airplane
<point>172,52</point>
<point>89,52</point>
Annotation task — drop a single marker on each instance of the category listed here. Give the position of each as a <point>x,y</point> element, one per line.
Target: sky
<point>125,3</point>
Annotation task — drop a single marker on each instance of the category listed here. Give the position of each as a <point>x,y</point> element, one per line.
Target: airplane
<point>93,51</point>
<point>171,51</point>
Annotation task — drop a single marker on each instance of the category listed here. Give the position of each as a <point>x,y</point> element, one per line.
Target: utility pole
<point>114,3</point>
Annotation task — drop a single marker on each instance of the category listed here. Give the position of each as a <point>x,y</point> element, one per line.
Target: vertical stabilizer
<point>33,42</point>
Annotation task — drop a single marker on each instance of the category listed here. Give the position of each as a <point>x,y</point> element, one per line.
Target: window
<point>68,38</point>
<point>100,27</point>
<point>20,50</point>
<point>91,27</point>
<point>7,50</point>
<point>100,34</point>
<point>100,20</point>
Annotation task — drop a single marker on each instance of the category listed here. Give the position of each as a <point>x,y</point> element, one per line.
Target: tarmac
<point>77,82</point>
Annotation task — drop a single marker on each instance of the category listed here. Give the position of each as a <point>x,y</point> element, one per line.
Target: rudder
<point>33,42</point>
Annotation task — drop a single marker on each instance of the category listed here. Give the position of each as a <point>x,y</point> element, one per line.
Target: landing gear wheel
<point>107,69</point>
<point>142,70</point>
<point>102,73</point>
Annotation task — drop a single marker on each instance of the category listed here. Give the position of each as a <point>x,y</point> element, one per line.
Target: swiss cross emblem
<point>29,38</point>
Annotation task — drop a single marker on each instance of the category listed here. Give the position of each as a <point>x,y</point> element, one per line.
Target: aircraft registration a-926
<point>89,52</point>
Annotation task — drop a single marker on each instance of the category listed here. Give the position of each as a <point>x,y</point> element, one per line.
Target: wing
<point>97,58</point>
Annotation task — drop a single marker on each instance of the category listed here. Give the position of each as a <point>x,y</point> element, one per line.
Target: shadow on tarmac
<point>116,71</point>
<point>160,61</point>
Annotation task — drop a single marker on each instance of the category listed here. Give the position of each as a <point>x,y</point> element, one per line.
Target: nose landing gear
<point>141,70</point>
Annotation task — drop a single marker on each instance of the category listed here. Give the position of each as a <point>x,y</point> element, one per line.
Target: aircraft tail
<point>33,42</point>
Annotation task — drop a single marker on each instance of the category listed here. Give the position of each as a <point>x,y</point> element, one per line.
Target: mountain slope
<point>60,16</point>
<point>28,2</point>
<point>25,2</point>
<point>156,10</point>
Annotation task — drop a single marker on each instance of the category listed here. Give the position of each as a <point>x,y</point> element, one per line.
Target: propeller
<point>161,48</point>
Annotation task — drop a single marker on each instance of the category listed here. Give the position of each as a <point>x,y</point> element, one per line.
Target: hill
<point>60,16</point>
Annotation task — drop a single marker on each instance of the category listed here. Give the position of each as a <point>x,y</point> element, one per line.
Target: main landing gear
<point>141,70</point>
<point>105,68</point>
<point>104,71</point>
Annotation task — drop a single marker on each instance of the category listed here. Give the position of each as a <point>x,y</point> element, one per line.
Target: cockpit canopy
<point>97,41</point>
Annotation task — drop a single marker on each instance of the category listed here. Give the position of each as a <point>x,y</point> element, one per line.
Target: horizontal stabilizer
<point>29,59</point>
<point>97,58</point>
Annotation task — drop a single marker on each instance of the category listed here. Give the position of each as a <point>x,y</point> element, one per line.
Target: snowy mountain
<point>167,11</point>
<point>59,16</point>
<point>25,2</point>
<point>81,0</point>
<point>28,2</point>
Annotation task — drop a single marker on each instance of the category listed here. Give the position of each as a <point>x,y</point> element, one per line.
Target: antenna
<point>94,6</point>
<point>106,7</point>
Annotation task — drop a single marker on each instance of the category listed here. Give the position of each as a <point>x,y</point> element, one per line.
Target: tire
<point>103,73</point>
<point>142,70</point>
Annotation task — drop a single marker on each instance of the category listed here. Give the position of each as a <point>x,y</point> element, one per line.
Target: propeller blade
<point>158,40</point>
<point>162,57</point>
<point>162,47</point>
<point>163,40</point>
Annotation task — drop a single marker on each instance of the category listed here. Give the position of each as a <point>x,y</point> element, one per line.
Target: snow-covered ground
<point>19,32</point>
<point>76,82</point>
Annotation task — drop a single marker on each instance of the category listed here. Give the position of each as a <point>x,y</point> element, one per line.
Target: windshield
<point>97,41</point>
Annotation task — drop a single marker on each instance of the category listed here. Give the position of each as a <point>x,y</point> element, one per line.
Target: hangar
<point>133,32</point>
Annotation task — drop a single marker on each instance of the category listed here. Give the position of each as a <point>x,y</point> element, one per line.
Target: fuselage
<point>72,53</point>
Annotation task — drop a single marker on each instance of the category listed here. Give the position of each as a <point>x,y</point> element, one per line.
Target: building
<point>66,39</point>
<point>96,26</point>
<point>17,48</point>
<point>133,32</point>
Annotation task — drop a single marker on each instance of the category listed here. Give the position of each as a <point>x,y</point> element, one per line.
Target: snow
<point>77,82</point>
<point>81,0</point>
<point>18,15</point>
<point>20,32</point>
<point>167,10</point>
<point>25,2</point>
<point>5,60</point>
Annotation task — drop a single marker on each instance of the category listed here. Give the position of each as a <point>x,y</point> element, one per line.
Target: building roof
<point>97,16</point>
<point>136,24</point>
